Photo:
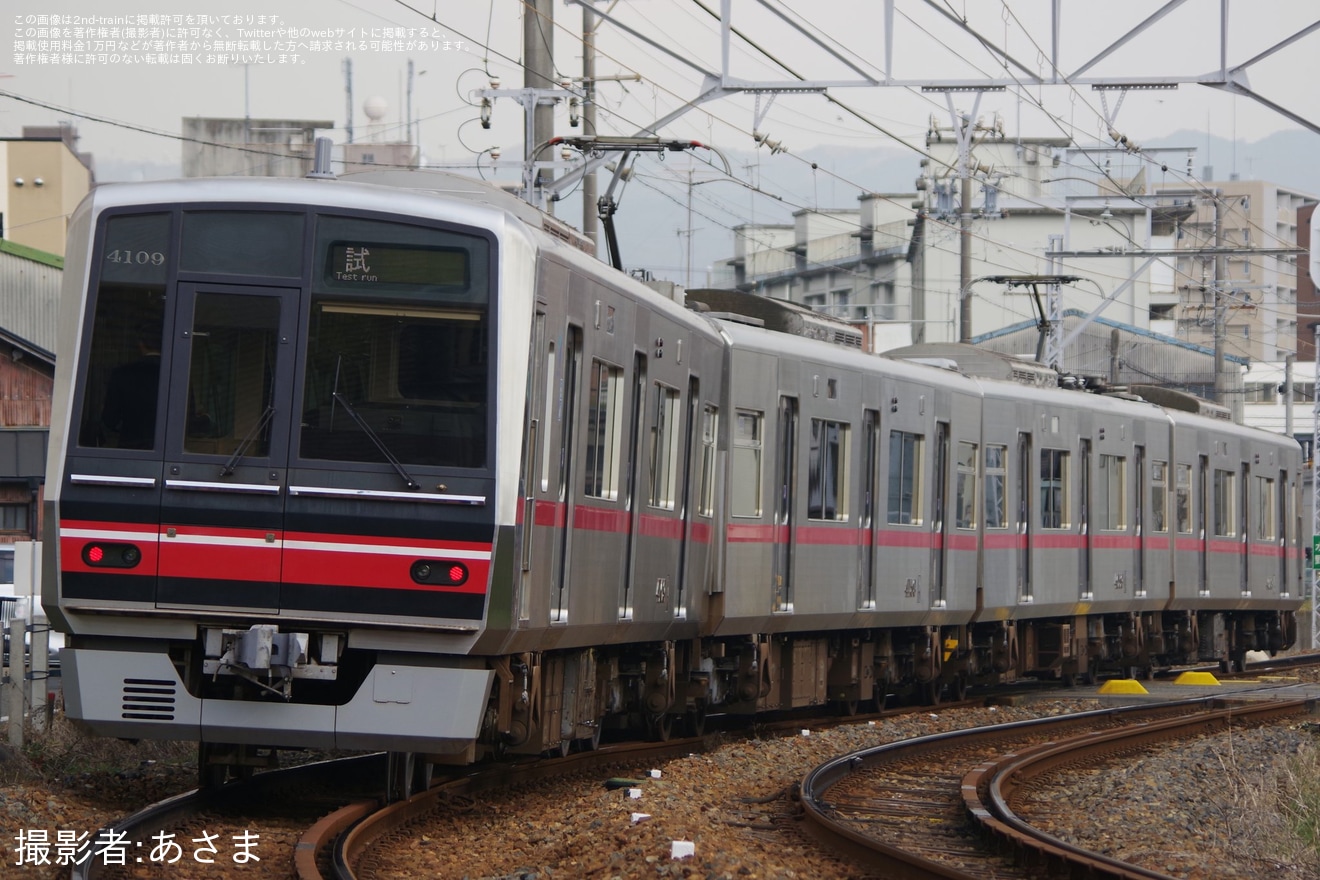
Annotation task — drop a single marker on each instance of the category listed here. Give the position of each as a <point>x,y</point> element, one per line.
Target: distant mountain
<point>1285,157</point>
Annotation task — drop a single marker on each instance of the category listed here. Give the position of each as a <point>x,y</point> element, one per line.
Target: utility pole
<point>589,225</point>
<point>539,73</point>
<point>965,239</point>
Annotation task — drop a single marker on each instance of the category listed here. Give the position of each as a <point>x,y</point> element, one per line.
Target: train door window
<point>604,430</point>
<point>1111,501</point>
<point>905,461</point>
<point>996,487</point>
<point>1054,482</point>
<point>548,419</point>
<point>123,369</point>
<point>1182,497</point>
<point>827,463</point>
<point>746,483</point>
<point>1266,529</point>
<point>965,488</point>
<point>231,376</point>
<point>1223,503</point>
<point>710,416</point>
<point>664,448</point>
<point>1159,496</point>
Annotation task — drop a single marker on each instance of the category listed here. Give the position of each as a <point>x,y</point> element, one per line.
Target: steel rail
<point>990,789</point>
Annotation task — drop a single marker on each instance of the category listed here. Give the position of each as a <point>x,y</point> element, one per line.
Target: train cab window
<point>827,480</point>
<point>965,502</point>
<point>996,485</point>
<point>1223,500</point>
<point>1266,529</point>
<point>1159,496</point>
<point>1111,501</point>
<point>242,243</point>
<point>398,346</point>
<point>710,419</point>
<point>604,430</point>
<point>664,448</point>
<point>746,479</point>
<point>1054,482</point>
<point>123,368</point>
<point>1182,498</point>
<point>905,462</point>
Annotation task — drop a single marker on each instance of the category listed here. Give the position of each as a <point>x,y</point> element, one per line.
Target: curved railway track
<point>942,806</point>
<point>297,795</point>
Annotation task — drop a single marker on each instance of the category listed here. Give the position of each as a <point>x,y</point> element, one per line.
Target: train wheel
<point>591,743</point>
<point>846,708</point>
<point>931,693</point>
<point>660,727</point>
<point>695,719</point>
<point>406,775</point>
<point>958,688</point>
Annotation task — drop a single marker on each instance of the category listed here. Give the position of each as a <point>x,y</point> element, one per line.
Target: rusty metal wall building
<point>29,301</point>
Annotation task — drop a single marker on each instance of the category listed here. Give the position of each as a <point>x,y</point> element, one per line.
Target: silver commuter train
<point>394,464</point>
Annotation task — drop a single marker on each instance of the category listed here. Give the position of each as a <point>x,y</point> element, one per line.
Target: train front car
<point>273,479</point>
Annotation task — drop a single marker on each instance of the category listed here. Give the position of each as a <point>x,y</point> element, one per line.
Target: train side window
<point>1159,496</point>
<point>827,478</point>
<point>604,430</point>
<point>1265,507</point>
<point>123,369</point>
<point>1054,481</point>
<point>965,510</point>
<point>710,418</point>
<point>1111,500</point>
<point>905,462</point>
<point>549,415</point>
<point>1223,497</point>
<point>746,481</point>
<point>664,448</point>
<point>996,487</point>
<point>1183,497</point>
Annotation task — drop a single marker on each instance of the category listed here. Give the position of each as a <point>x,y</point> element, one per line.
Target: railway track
<point>942,806</point>
<point>252,821</point>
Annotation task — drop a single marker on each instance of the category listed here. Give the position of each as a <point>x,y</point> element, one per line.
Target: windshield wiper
<point>243,444</point>
<point>380,444</point>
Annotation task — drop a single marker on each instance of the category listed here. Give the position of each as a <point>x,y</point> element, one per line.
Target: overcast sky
<point>455,44</point>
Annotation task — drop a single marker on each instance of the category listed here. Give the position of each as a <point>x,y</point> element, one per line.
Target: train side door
<point>636,416</point>
<point>939,520</point>
<point>540,363</point>
<point>227,422</point>
<point>1139,551</point>
<point>1083,520</point>
<point>1024,513</point>
<point>865,519</point>
<point>1248,525</point>
<point>785,460</point>
<point>1202,494</point>
<point>566,474</point>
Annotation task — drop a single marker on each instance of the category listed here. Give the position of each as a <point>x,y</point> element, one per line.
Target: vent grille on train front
<point>149,699</point>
